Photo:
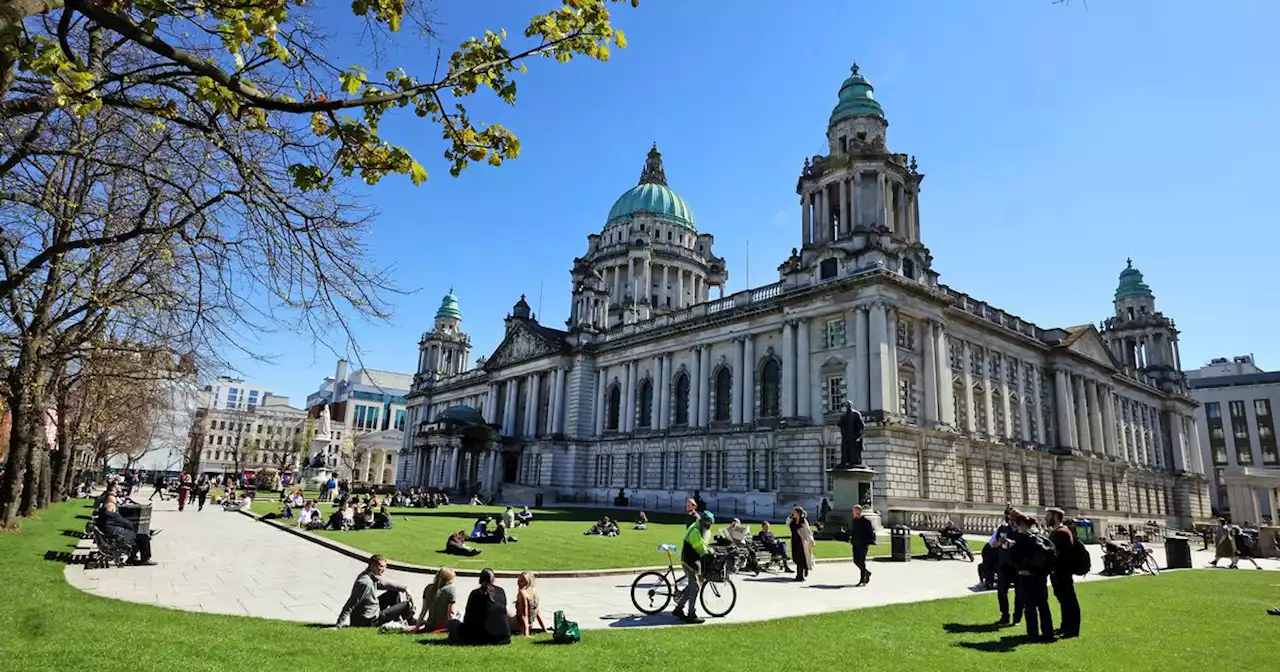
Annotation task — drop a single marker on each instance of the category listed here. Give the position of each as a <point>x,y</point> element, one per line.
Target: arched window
<point>681,399</point>
<point>724,394</point>
<point>997,413</point>
<point>979,410</point>
<point>770,388</point>
<point>960,408</point>
<point>614,409</point>
<point>646,403</point>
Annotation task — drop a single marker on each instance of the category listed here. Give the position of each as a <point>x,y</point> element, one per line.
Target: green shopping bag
<point>566,631</point>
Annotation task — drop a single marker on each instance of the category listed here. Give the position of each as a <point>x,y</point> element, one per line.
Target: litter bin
<point>537,501</point>
<point>138,514</point>
<point>1177,552</point>
<point>900,543</point>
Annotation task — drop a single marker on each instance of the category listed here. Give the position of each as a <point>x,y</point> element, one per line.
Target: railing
<point>992,314</point>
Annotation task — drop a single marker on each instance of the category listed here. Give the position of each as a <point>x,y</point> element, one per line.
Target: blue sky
<point>1057,141</point>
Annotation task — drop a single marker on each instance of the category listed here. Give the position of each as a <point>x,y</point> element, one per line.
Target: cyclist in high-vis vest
<point>697,545</point>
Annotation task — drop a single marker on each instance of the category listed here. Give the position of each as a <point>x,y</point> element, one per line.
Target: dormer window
<point>909,268</point>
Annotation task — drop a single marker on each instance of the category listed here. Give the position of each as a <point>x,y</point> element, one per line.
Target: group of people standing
<point>1028,554</point>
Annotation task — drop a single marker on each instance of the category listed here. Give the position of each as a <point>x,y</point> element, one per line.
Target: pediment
<point>1088,343</point>
<point>521,344</point>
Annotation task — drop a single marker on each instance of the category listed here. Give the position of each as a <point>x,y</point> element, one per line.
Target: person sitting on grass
<point>526,606</point>
<point>382,519</point>
<point>456,544</point>
<point>642,522</point>
<point>347,516</point>
<point>476,501</point>
<point>440,602</point>
<point>524,517</point>
<point>366,608</point>
<point>604,528</point>
<point>304,514</point>
<point>485,620</point>
<point>316,522</point>
<point>481,529</point>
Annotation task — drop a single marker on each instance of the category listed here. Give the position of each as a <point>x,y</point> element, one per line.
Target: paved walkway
<point>227,563</point>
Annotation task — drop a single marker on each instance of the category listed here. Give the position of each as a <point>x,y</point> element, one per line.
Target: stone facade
<point>968,406</point>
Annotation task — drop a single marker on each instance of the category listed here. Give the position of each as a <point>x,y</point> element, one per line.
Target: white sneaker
<point>395,626</point>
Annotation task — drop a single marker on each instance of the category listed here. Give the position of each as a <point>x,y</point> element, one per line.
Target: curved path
<point>226,563</point>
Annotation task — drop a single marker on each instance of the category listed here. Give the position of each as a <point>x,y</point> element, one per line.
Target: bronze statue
<point>851,426</point>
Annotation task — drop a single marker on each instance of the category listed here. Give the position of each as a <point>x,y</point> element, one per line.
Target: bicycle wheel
<point>1151,566</point>
<point>718,597</point>
<point>651,592</point>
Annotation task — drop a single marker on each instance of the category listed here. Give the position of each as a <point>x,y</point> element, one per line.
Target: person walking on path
<point>801,542</point>
<point>696,546</point>
<point>1224,545</point>
<point>1062,580</point>
<point>184,490</point>
<point>159,484</point>
<point>202,492</point>
<point>862,534</point>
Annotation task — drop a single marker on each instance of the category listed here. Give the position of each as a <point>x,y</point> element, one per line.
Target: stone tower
<point>445,349</point>
<point>1142,339</point>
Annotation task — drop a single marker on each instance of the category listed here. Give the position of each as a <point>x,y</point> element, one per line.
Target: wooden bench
<point>941,549</point>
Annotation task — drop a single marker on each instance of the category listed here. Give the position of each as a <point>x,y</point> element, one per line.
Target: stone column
<point>558,423</point>
<point>1037,389</point>
<point>695,387</point>
<point>877,329</point>
<point>739,381</point>
<point>365,466</point>
<point>788,409</point>
<point>602,377</point>
<point>1023,398</point>
<point>853,201</point>
<point>1004,398</point>
<point>531,400</point>
<point>990,427</point>
<point>509,413</point>
<point>804,381</point>
<point>648,279</point>
<point>628,397</point>
<point>843,207</point>
<point>858,383</point>
<point>806,220</point>
<point>662,387</point>
<point>704,398</point>
<point>1109,422</point>
<point>946,393</point>
<point>882,208</point>
<point>1082,416</point>
<point>1095,416</point>
<point>1062,403</point>
<point>680,302</point>
<point>891,394</point>
<point>665,294</point>
<point>491,405</point>
<point>971,421</point>
<point>748,379</point>
<point>1177,441</point>
<point>1196,458</point>
<point>931,386</point>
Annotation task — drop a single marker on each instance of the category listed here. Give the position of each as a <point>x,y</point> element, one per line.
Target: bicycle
<point>652,591</point>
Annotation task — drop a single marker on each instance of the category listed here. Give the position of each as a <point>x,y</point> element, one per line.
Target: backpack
<point>1080,560</point>
<point>565,631</point>
<point>1043,555</point>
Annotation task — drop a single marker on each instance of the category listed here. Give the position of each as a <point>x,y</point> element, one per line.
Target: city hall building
<point>659,388</point>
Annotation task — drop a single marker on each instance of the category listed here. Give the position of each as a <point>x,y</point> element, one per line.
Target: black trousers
<point>142,543</point>
<point>1064,589</point>
<point>860,560</point>
<point>1006,577</point>
<point>1034,595</point>
<point>200,497</point>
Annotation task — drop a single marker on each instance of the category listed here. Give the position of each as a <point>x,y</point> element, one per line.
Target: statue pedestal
<point>849,488</point>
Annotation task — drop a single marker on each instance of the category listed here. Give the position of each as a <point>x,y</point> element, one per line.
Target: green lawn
<point>555,541</point>
<point>1181,621</point>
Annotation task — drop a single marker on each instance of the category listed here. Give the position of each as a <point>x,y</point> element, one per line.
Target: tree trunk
<point>21,396</point>
<point>44,481</point>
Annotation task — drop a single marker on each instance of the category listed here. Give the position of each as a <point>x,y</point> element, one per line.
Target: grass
<point>555,541</point>
<point>1179,621</point>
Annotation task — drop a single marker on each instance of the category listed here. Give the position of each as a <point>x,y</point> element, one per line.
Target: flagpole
<point>748,263</point>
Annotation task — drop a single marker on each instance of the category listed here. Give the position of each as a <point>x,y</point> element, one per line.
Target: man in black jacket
<point>1064,584</point>
<point>1033,562</point>
<point>115,525</point>
<point>862,534</point>
<point>1006,575</point>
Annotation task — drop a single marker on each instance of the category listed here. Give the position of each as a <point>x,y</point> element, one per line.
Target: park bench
<point>109,550</point>
<point>941,549</point>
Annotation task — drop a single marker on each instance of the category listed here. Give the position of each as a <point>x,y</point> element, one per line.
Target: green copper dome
<point>449,306</point>
<point>653,197</point>
<point>1131,283</point>
<point>857,98</point>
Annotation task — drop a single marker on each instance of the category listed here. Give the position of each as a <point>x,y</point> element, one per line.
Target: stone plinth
<point>849,488</point>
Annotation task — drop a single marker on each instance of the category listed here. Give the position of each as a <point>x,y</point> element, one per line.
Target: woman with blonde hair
<point>526,606</point>
<point>439,601</point>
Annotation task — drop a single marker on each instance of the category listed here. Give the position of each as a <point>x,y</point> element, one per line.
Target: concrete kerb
<point>363,556</point>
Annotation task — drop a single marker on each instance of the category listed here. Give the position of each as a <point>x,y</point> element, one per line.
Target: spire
<point>449,306</point>
<point>854,69</point>
<point>653,173</point>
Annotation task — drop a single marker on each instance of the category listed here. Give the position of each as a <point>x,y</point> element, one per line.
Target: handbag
<point>565,631</point>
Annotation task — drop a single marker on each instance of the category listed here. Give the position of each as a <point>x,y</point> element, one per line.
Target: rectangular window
<point>724,470</point>
<point>906,334</point>
<point>835,393</point>
<point>400,418</point>
<point>1266,432</point>
<point>675,471</point>
<point>830,457</point>
<point>708,470</point>
<point>1217,438</point>
<point>835,333</point>
<point>253,397</point>
<point>771,469</point>
<point>1240,434</point>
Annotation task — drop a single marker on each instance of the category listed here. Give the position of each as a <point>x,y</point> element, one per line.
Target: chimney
<point>339,378</point>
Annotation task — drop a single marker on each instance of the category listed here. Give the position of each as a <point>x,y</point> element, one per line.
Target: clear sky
<point>1057,141</point>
